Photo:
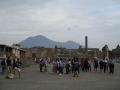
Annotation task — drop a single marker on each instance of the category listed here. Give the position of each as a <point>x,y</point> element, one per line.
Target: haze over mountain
<point>42,41</point>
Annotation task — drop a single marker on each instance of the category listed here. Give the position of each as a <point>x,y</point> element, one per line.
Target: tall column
<point>86,46</point>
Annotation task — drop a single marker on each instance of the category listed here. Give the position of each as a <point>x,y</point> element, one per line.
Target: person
<point>67,66</point>
<point>86,65</point>
<point>95,64</point>
<point>3,65</point>
<point>45,62</point>
<point>105,65</point>
<point>76,66</point>
<point>17,66</point>
<point>41,65</point>
<point>14,66</point>
<point>101,63</point>
<point>112,65</point>
<point>9,65</point>
<point>60,67</point>
<point>54,66</point>
<point>89,65</point>
<point>82,64</point>
<point>72,65</point>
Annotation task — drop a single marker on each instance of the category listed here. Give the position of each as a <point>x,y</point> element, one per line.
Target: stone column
<point>86,46</point>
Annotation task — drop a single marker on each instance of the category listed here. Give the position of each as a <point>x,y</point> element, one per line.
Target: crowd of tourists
<point>76,65</point>
<point>11,67</point>
<point>70,66</point>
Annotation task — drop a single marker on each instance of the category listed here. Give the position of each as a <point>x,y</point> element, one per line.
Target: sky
<point>61,20</point>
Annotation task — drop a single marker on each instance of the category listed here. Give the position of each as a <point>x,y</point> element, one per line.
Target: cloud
<point>61,20</point>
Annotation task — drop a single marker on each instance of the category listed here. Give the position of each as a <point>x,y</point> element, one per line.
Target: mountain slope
<point>45,42</point>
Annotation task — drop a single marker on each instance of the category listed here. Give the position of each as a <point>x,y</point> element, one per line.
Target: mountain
<point>42,41</point>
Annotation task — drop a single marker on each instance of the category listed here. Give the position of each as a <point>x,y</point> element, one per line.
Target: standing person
<point>17,65</point>
<point>3,65</point>
<point>76,66</point>
<point>72,65</point>
<point>9,65</point>
<point>101,63</point>
<point>61,67</point>
<point>54,66</point>
<point>41,65</point>
<point>14,66</point>
<point>105,65</point>
<point>112,65</point>
<point>89,65</point>
<point>45,62</point>
<point>57,65</point>
<point>67,66</point>
<point>95,64</point>
<point>82,64</point>
<point>86,65</point>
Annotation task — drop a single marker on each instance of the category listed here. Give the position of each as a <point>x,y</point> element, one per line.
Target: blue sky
<point>61,20</point>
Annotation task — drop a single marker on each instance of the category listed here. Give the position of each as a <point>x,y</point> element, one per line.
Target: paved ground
<point>32,79</point>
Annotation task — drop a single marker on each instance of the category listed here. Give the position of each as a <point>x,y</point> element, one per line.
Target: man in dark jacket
<point>3,65</point>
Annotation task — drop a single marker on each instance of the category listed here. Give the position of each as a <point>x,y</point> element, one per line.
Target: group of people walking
<point>43,62</point>
<point>75,65</point>
<point>105,65</point>
<point>60,65</point>
<point>10,66</point>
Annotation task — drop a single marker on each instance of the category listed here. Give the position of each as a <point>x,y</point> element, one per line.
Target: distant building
<point>14,51</point>
<point>39,52</point>
<point>105,52</point>
<point>116,52</point>
<point>92,52</point>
